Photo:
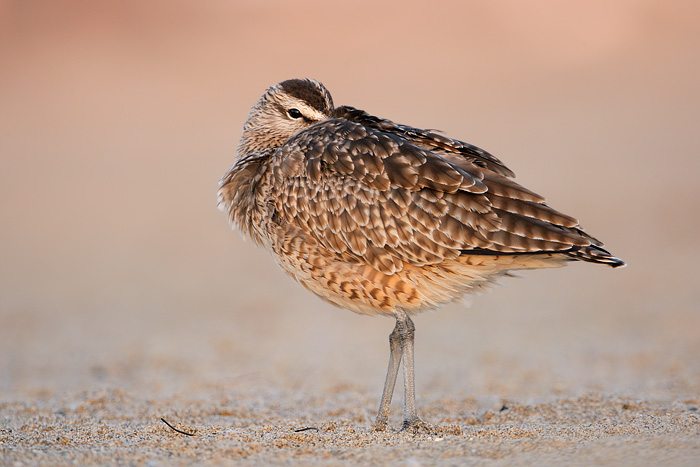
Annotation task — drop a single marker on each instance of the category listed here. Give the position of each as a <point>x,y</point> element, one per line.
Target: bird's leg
<point>406,334</point>
<point>411,421</point>
<point>392,372</point>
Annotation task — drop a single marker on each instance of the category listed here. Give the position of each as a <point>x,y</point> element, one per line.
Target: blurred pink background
<point>118,118</point>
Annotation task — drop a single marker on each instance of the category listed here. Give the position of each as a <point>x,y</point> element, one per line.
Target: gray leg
<point>411,421</point>
<point>407,332</point>
<point>394,362</point>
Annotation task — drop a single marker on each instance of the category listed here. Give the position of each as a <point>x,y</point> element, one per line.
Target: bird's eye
<point>294,113</point>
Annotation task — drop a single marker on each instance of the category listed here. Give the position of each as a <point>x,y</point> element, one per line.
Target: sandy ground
<point>125,298</point>
<point>111,426</point>
<point>501,388</point>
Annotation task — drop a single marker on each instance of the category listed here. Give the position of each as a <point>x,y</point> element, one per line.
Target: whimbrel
<point>383,218</point>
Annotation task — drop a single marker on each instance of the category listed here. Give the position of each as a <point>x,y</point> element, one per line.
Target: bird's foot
<point>416,426</point>
<point>380,424</point>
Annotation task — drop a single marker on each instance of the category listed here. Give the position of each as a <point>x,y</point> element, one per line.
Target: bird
<point>386,219</point>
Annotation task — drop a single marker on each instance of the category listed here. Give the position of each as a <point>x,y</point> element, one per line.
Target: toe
<point>417,426</point>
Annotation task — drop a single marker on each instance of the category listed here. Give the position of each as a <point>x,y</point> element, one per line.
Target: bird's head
<point>283,111</point>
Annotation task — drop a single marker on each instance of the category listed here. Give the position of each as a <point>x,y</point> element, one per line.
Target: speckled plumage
<point>382,218</point>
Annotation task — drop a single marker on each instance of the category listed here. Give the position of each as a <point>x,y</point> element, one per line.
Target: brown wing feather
<point>368,194</point>
<point>430,140</point>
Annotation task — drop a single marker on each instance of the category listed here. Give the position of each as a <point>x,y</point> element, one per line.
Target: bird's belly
<point>358,287</point>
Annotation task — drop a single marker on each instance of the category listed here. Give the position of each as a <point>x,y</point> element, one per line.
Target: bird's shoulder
<point>361,149</point>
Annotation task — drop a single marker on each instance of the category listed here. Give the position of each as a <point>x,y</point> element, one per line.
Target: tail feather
<point>595,254</point>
